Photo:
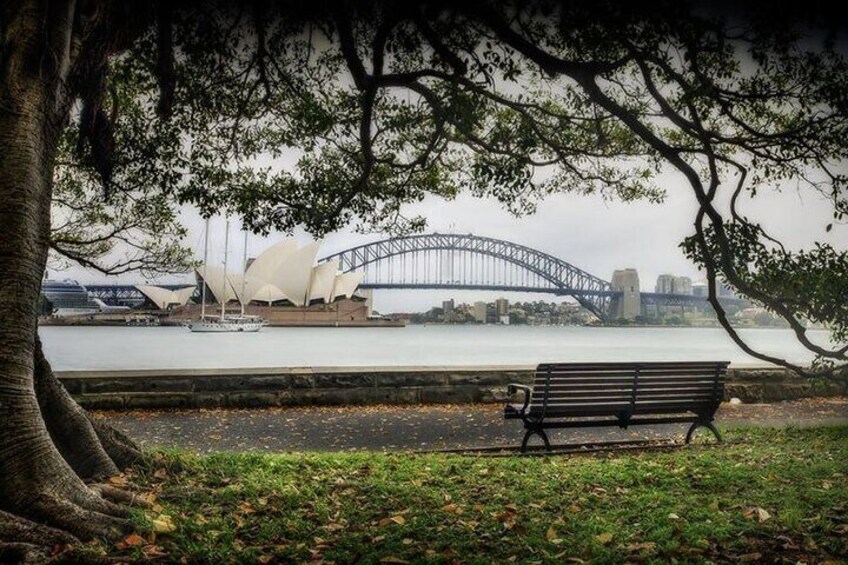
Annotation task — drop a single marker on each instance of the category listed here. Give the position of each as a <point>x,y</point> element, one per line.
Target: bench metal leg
<point>535,431</point>
<point>709,425</point>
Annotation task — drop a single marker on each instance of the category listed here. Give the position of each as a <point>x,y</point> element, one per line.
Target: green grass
<point>764,496</point>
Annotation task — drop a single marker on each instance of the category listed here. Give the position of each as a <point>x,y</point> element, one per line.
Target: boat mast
<point>243,274</point>
<point>203,285</point>
<point>224,290</point>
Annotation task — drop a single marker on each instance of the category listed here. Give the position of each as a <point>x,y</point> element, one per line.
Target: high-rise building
<point>700,288</point>
<point>629,304</point>
<point>479,311</point>
<point>726,292</point>
<point>665,284</point>
<point>681,285</point>
<point>501,307</point>
<point>447,310</point>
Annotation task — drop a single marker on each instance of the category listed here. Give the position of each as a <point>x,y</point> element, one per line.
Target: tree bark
<point>94,449</point>
<point>69,425</point>
<point>36,482</point>
<point>122,450</point>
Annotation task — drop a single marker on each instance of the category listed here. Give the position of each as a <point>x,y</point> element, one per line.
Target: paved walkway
<point>394,428</point>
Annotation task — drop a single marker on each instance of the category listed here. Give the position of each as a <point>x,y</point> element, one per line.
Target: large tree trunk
<point>94,449</point>
<point>36,481</point>
<point>69,425</point>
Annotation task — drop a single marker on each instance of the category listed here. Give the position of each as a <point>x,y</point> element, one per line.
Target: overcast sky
<point>586,231</point>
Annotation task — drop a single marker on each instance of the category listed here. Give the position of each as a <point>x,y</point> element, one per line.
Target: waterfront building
<point>726,292</point>
<point>681,285</point>
<point>281,275</point>
<point>284,286</point>
<point>479,311</point>
<point>629,304</point>
<point>665,284</point>
<point>501,308</point>
<point>165,299</point>
<point>700,288</point>
<point>447,310</point>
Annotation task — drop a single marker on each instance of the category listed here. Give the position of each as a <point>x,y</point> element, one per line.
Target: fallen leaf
<point>163,524</point>
<point>643,546</point>
<point>134,540</point>
<point>604,538</point>
<point>118,481</point>
<point>759,513</point>
<point>153,551</point>
<point>399,520</point>
<point>551,533</point>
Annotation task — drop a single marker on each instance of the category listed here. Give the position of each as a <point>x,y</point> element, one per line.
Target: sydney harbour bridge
<point>468,262</point>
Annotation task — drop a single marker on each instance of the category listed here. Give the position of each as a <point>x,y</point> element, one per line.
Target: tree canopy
<point>379,104</point>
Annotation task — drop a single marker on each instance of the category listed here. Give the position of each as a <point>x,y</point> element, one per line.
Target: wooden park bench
<point>580,395</point>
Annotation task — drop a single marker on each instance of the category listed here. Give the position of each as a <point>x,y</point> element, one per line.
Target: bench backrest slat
<point>625,389</point>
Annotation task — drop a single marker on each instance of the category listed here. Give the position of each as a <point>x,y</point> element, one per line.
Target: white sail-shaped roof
<point>268,293</point>
<point>262,291</point>
<point>282,272</point>
<point>216,284</point>
<point>264,266</point>
<point>236,280</point>
<point>163,297</point>
<point>183,295</point>
<point>295,273</point>
<point>323,281</point>
<point>346,284</point>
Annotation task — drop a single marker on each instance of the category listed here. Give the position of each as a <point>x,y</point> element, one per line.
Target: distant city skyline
<point>595,235</point>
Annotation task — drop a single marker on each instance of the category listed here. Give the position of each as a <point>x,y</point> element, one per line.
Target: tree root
<point>23,553</point>
<point>21,530</point>
<point>121,449</point>
<point>120,496</point>
<point>68,424</point>
<point>82,522</point>
<point>46,504</point>
<point>24,541</point>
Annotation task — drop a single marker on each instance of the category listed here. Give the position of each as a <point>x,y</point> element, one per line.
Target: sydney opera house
<point>284,285</point>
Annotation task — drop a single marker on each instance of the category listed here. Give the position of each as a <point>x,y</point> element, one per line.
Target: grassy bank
<point>765,496</point>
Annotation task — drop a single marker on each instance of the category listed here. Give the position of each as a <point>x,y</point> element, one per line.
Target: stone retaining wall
<point>208,388</point>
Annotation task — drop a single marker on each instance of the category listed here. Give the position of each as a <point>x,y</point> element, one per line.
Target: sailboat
<point>223,323</point>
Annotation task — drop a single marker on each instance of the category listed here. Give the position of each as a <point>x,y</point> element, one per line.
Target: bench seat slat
<point>625,398</point>
<point>616,403</point>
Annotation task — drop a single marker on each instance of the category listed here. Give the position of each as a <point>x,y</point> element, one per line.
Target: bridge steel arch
<point>591,292</point>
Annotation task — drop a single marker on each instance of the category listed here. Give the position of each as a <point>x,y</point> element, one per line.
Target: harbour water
<point>97,347</point>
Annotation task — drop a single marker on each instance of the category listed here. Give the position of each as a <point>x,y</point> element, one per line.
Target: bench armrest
<point>512,388</point>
